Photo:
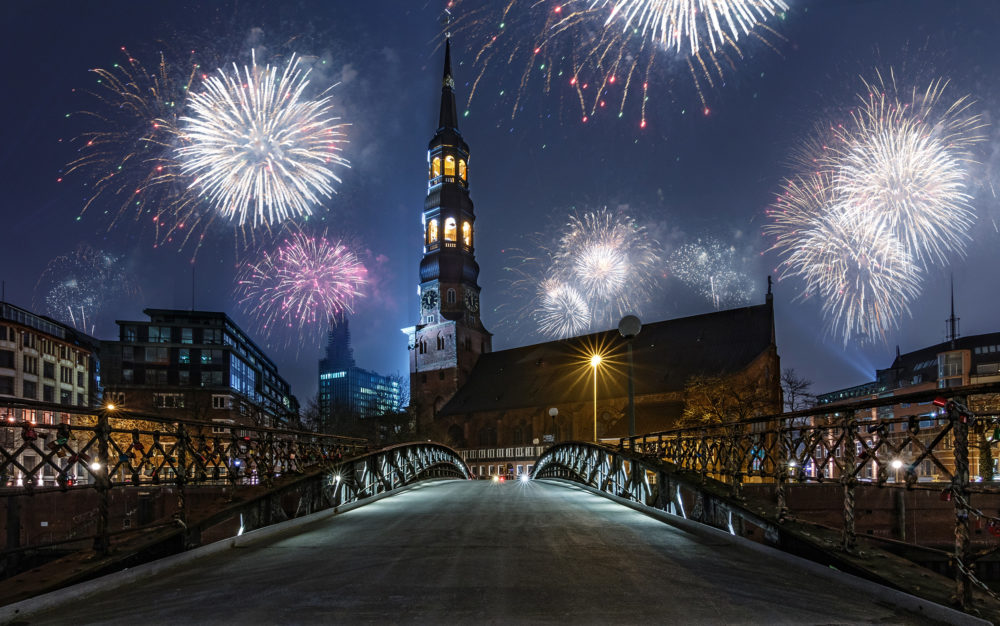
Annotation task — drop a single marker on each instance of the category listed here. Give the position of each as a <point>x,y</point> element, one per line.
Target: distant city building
<point>347,392</point>
<point>195,362</point>
<point>956,362</point>
<point>42,359</point>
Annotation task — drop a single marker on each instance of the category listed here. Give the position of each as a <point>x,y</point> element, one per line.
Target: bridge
<point>701,524</point>
<point>465,551</point>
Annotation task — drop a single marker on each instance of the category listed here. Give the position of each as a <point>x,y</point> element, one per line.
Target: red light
<point>537,50</point>
<point>939,401</point>
<point>642,124</point>
<point>572,81</point>
<point>707,111</point>
<point>502,479</point>
<point>612,80</point>
<point>584,119</point>
<point>558,9</point>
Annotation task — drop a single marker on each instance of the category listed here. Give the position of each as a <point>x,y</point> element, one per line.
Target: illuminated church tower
<point>449,335</point>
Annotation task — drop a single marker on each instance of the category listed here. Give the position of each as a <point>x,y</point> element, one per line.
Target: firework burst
<point>713,268</point>
<point>300,285</point>
<point>604,265</point>
<point>76,288</point>
<point>257,149</point>
<point>885,197</point>
<point>605,51</point>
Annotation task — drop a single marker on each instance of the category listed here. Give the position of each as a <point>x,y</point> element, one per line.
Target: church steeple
<point>449,112</point>
<point>449,335</point>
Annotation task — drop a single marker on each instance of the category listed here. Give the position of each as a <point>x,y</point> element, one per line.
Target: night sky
<point>688,175</point>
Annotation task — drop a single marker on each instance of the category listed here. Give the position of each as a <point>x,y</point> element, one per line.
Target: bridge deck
<point>463,551</point>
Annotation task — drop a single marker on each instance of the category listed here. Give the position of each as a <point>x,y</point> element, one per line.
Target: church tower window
<point>467,234</point>
<point>461,169</point>
<point>451,296</point>
<point>449,166</point>
<point>450,229</point>
<point>432,231</point>
<point>436,167</point>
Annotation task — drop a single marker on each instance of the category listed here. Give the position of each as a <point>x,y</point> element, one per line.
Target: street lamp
<point>553,413</point>
<point>629,327</point>
<point>594,362</point>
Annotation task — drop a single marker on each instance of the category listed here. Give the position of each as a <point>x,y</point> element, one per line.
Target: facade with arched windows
<point>449,336</point>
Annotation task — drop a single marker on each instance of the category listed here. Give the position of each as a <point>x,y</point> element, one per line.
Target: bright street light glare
<point>595,360</point>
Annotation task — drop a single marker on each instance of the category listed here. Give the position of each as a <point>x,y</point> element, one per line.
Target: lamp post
<point>629,327</point>
<point>594,362</point>
<point>553,413</point>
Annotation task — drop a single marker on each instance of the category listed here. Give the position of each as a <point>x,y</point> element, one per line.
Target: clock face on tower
<point>430,299</point>
<point>472,301</point>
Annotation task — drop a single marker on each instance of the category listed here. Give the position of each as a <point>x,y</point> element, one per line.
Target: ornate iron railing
<point>394,467</point>
<point>950,446</point>
<point>47,448</point>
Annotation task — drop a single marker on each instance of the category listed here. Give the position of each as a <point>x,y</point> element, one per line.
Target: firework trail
<point>712,268</point>
<point>606,51</point>
<point>603,265</point>
<point>256,148</point>
<point>127,153</point>
<point>76,288</point>
<point>885,198</point>
<point>300,285</point>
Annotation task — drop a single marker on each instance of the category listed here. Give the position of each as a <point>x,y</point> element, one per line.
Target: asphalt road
<point>464,552</point>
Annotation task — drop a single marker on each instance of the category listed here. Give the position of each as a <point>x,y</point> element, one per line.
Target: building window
<point>467,234</point>
<point>7,359</point>
<point>461,169</point>
<point>436,167</point>
<point>449,166</point>
<point>30,365</point>
<point>212,335</point>
<point>220,402</point>
<point>66,375</point>
<point>156,377</point>
<point>211,379</point>
<point>432,231</point>
<point>48,393</point>
<point>128,333</point>
<point>80,380</point>
<point>127,376</point>
<point>65,397</point>
<point>440,343</point>
<point>187,335</point>
<point>159,334</point>
<point>29,389</point>
<point>451,296</point>
<point>6,385</point>
<point>158,355</point>
<point>211,356</point>
<point>183,378</point>
<point>49,370</point>
<point>450,229</point>
<point>184,356</point>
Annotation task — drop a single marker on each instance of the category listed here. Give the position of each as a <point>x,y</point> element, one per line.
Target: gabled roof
<point>665,354</point>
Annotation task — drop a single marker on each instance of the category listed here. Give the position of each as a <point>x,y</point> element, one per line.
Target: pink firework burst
<point>300,285</point>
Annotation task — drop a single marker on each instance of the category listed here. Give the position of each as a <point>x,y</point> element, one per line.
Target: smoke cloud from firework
<point>293,291</point>
<point>713,269</point>
<point>257,149</point>
<point>878,201</point>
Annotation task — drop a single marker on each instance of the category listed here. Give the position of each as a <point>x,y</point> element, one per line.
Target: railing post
<point>180,475</point>
<point>959,417</point>
<point>849,433</point>
<point>781,499</point>
<point>102,541</point>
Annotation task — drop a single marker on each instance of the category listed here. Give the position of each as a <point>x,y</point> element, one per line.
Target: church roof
<point>665,354</point>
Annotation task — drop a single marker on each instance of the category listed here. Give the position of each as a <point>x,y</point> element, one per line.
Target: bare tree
<point>719,400</point>
<point>796,390</point>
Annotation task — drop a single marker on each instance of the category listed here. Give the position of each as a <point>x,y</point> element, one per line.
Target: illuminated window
<point>461,169</point>
<point>467,234</point>
<point>449,166</point>
<point>432,231</point>
<point>450,229</point>
<point>436,167</point>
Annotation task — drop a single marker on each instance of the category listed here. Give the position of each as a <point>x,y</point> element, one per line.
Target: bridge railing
<point>49,449</point>
<point>950,446</point>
